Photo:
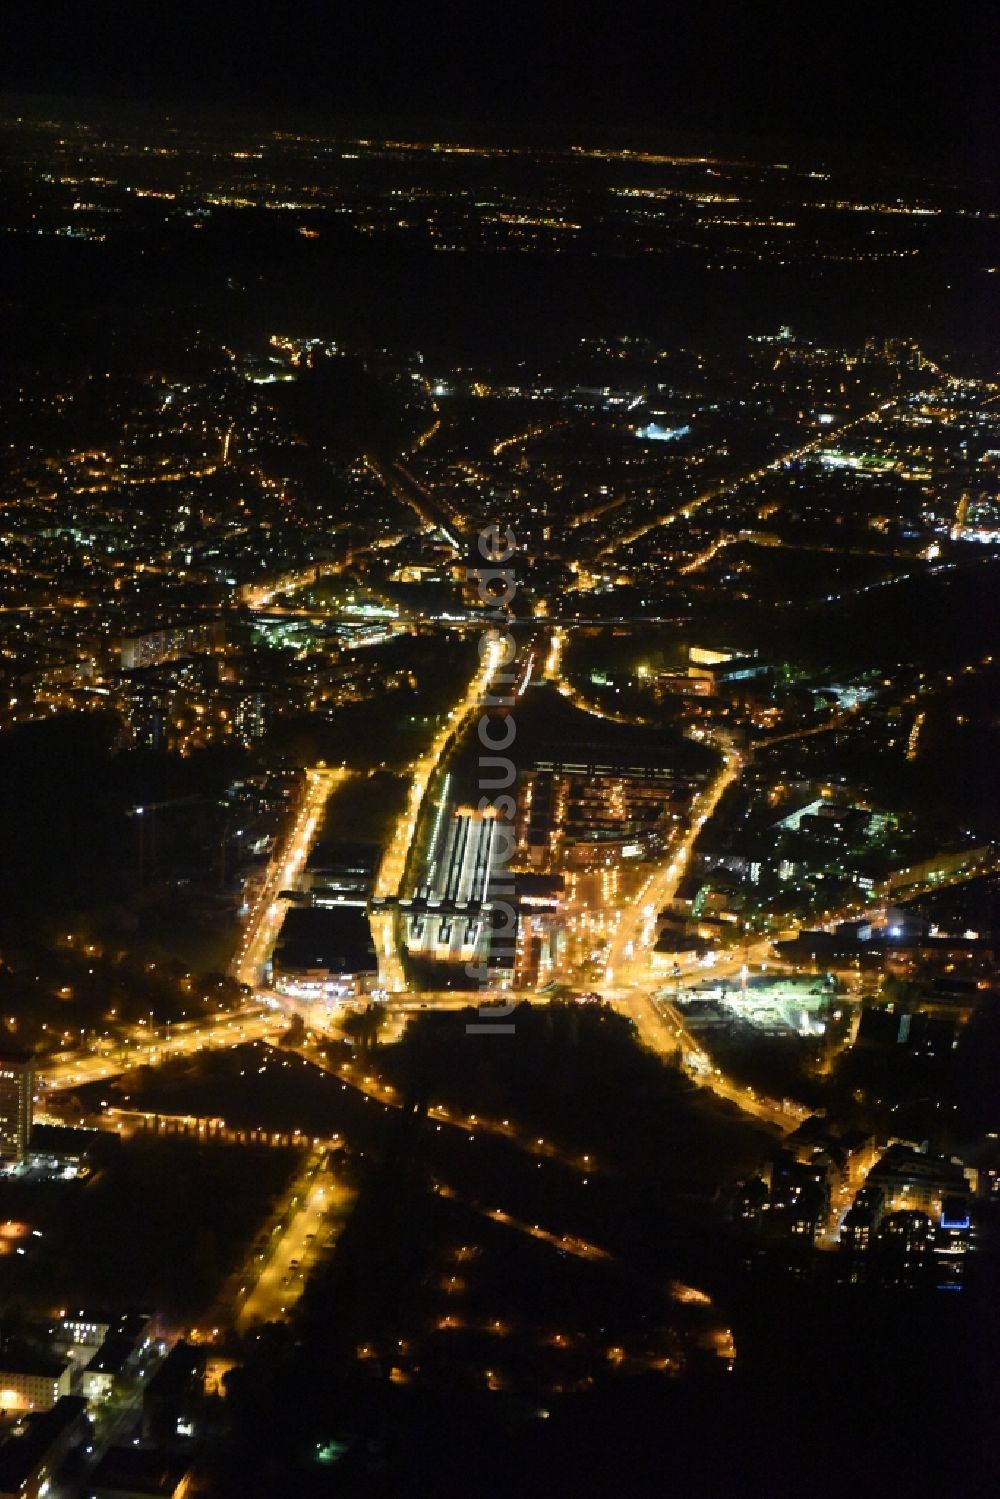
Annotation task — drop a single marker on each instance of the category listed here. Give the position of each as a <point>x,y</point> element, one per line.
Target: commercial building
<point>467,861</point>
<point>170,1395</point>
<point>29,1383</point>
<point>449,920</point>
<point>953,1233</point>
<point>341,873</point>
<point>720,669</point>
<point>32,1455</point>
<point>539,943</point>
<point>588,817</point>
<point>80,1333</point>
<point>916,1180</point>
<point>120,1355</point>
<point>325,952</point>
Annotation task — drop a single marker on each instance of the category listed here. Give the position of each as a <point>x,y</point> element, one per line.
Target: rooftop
<point>20,1455</point>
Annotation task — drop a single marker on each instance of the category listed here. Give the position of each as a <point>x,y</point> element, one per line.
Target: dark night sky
<point>841,70</point>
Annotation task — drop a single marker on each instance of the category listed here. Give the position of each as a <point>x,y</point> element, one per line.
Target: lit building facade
<point>16,1093</point>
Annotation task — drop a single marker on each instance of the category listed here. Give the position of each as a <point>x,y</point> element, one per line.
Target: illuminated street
<point>627,977</point>
<point>220,1031</point>
<point>396,855</point>
<point>320,1207</point>
<point>264,920</point>
<point>499,682</point>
